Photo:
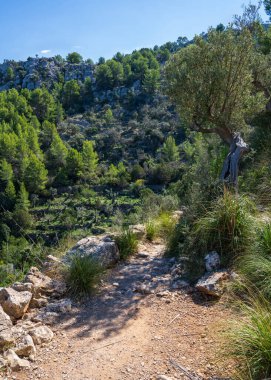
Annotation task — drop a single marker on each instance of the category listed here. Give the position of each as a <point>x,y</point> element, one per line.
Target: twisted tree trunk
<point>230,169</point>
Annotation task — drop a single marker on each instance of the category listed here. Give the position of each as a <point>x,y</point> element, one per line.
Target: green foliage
<point>255,267</point>
<point>250,340</point>
<point>127,243</point>
<point>169,150</point>
<point>211,81</point>
<point>226,228</point>
<point>71,96</point>
<point>74,164</point>
<point>151,229</point>
<point>83,275</point>
<point>74,57</point>
<point>90,158</point>
<point>166,225</point>
<point>35,175</point>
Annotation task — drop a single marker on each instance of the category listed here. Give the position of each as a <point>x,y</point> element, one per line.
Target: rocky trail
<point>141,326</point>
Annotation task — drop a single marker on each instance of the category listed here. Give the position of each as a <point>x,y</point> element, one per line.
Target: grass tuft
<point>127,243</point>
<point>250,340</point>
<point>83,275</point>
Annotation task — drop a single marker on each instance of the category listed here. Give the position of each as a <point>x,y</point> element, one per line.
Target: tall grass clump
<point>83,275</point>
<point>127,243</point>
<point>166,225</point>
<point>151,228</point>
<point>250,340</point>
<point>227,228</point>
<point>255,267</point>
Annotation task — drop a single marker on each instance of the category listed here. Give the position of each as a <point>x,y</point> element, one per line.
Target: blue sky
<point>97,28</point>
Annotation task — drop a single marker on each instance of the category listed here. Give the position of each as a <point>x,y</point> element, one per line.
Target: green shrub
<point>166,225</point>
<point>250,340</point>
<point>265,240</point>
<point>127,243</point>
<point>151,230</point>
<point>256,271</point>
<point>226,228</point>
<point>83,275</point>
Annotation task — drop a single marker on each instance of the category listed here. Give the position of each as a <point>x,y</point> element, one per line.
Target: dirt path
<point>121,334</point>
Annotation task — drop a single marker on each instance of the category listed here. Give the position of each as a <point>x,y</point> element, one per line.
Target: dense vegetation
<point>84,146</point>
<point>73,155</point>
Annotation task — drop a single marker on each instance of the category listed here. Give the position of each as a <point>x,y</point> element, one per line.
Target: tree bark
<point>230,169</point>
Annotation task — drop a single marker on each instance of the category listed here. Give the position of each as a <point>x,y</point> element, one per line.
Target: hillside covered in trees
<point>78,143</point>
<point>87,146</point>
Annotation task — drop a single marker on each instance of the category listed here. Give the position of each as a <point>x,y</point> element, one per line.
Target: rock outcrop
<point>213,283</point>
<point>14,303</point>
<point>103,249</point>
<point>6,337</point>
<point>41,334</point>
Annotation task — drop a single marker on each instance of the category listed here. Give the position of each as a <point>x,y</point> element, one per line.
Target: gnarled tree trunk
<point>230,169</point>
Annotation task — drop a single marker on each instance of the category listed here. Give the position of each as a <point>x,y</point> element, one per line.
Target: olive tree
<point>212,82</point>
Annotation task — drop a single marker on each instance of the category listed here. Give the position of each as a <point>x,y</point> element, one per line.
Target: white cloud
<point>46,51</point>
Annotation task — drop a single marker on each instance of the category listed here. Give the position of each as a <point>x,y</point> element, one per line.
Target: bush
<point>151,230</point>
<point>166,225</point>
<point>82,275</point>
<point>127,243</point>
<point>250,340</point>
<point>256,270</point>
<point>256,266</point>
<point>226,228</point>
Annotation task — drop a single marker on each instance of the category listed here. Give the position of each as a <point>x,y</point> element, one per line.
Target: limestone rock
<point>6,336</point>
<point>41,284</point>
<point>62,306</point>
<point>22,286</point>
<point>44,285</point>
<point>213,284</point>
<point>14,361</point>
<point>46,317</point>
<point>52,266</point>
<point>212,261</point>
<point>37,303</point>
<point>3,362</point>
<point>103,249</point>
<point>14,303</point>
<point>163,377</point>
<point>25,346</point>
<point>41,334</point>
<point>139,230</point>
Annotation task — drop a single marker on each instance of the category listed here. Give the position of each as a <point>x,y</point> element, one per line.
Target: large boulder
<point>103,249</point>
<point>41,334</point>
<point>213,284</point>
<point>14,303</point>
<point>6,336</point>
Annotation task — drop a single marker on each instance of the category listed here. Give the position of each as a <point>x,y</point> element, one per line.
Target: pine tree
<point>22,202</point>
<point>57,153</point>
<point>90,158</point>
<point>169,150</point>
<point>35,176</point>
<point>6,172</point>
<point>74,164</point>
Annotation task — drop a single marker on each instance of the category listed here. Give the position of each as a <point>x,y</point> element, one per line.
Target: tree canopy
<point>212,83</point>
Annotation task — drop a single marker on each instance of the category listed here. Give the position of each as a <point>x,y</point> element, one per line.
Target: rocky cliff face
<point>35,72</point>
